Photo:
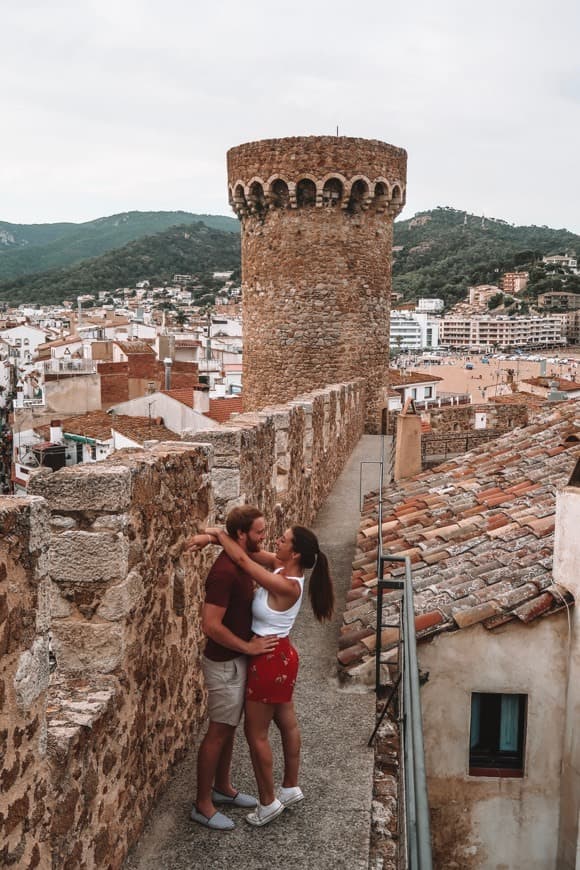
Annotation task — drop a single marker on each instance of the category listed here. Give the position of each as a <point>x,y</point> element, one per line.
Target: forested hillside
<point>436,253</point>
<point>193,249</point>
<point>442,252</point>
<point>29,248</point>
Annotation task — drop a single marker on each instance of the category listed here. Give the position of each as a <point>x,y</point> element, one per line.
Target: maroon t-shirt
<point>230,587</point>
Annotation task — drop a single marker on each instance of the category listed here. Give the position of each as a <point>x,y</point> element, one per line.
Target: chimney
<point>55,436</point>
<point>408,442</point>
<point>167,362</point>
<point>566,538</point>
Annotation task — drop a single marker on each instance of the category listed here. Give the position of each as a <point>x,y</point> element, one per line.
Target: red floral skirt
<point>272,675</point>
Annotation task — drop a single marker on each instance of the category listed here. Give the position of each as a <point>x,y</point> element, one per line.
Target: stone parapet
<point>24,673</point>
<point>285,458</point>
<point>95,583</point>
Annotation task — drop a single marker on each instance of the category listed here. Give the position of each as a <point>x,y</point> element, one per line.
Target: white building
<point>24,341</point>
<point>565,261</point>
<point>413,330</point>
<point>430,306</point>
<point>5,373</point>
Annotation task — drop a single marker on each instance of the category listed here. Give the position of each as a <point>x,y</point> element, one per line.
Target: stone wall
<point>24,672</point>
<point>462,418</point>
<point>317,220</point>
<point>121,606</point>
<point>452,430</point>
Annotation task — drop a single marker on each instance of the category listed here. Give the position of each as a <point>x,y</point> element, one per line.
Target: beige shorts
<point>226,688</point>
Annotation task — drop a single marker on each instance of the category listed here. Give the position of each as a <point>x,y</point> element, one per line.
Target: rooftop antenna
<point>337,129</point>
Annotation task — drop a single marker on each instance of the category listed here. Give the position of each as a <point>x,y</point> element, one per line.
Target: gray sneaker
<point>246,801</point>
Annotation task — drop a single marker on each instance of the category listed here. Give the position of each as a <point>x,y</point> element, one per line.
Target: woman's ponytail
<point>321,589</point>
<point>320,586</point>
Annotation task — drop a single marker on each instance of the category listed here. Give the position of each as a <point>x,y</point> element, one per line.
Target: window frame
<point>493,761</point>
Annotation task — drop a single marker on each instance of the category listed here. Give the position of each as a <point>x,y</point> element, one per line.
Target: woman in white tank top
<point>271,676</point>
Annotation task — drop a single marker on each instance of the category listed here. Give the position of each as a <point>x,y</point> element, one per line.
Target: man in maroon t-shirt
<point>227,623</point>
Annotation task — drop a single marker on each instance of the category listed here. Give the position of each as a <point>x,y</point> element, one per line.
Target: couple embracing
<point>252,600</point>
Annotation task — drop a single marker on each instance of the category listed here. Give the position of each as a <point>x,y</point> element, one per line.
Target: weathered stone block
<point>58,605</point>
<point>88,557</point>
<point>81,646</point>
<point>86,487</point>
<point>226,483</point>
<point>32,675</point>
<point>110,523</point>
<point>118,601</point>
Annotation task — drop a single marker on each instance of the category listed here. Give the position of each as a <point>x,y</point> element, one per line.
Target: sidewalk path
<point>331,828</point>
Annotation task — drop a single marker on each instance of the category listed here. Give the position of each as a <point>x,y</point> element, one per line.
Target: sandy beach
<point>485,380</point>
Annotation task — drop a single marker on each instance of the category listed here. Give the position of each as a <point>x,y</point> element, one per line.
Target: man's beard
<point>252,546</point>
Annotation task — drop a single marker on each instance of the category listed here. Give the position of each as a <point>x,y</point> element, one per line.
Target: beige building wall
<point>567,573</point>
<point>65,397</point>
<point>493,823</point>
<point>408,446</point>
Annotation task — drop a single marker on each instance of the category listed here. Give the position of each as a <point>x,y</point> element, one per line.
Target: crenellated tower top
<point>316,172</point>
<point>317,223</point>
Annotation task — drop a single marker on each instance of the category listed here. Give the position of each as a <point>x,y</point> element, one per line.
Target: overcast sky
<point>113,105</point>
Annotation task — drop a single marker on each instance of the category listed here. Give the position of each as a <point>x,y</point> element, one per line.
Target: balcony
<point>69,367</point>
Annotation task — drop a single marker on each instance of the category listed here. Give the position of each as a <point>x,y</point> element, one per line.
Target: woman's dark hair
<point>320,586</point>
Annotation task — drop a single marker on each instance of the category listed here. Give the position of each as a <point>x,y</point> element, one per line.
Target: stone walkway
<point>331,828</point>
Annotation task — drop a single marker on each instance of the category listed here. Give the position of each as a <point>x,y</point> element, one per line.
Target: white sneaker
<point>289,796</point>
<point>262,815</point>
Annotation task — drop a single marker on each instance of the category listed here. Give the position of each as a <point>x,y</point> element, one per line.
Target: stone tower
<point>317,223</point>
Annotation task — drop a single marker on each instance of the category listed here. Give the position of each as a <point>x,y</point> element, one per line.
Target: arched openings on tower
<point>381,198</point>
<point>397,195</point>
<point>239,202</point>
<point>306,193</point>
<point>359,195</point>
<point>332,192</point>
<point>279,194</point>
<point>257,199</point>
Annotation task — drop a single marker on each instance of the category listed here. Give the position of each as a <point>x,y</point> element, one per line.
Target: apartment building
<point>486,332</point>
<point>514,282</point>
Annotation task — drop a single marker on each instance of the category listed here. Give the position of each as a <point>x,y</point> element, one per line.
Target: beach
<point>485,380</point>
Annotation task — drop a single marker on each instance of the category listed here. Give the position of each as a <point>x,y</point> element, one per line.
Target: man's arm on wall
<point>212,624</point>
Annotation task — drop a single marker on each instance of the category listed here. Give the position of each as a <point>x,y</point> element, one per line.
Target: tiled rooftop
<point>184,394</point>
<point>565,385</point>
<point>98,425</point>
<point>134,346</point>
<point>398,379</point>
<point>480,533</point>
<point>221,410</point>
<point>519,398</point>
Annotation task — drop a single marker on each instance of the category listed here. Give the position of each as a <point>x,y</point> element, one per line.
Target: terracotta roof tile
<point>480,528</point>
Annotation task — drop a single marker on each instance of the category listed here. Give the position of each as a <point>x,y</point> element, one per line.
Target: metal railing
<point>416,842</point>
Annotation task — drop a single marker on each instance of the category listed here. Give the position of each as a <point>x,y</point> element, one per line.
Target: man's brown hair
<point>240,519</point>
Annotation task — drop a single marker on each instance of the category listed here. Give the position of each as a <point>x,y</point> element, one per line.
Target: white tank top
<point>267,621</point>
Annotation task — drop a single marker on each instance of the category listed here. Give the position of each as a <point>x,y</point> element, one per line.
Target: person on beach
<point>272,675</point>
<point>226,621</point>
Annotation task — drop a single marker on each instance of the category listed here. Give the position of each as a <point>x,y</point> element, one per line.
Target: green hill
<point>437,253</point>
<point>191,249</point>
<point>443,251</point>
<point>29,248</point>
